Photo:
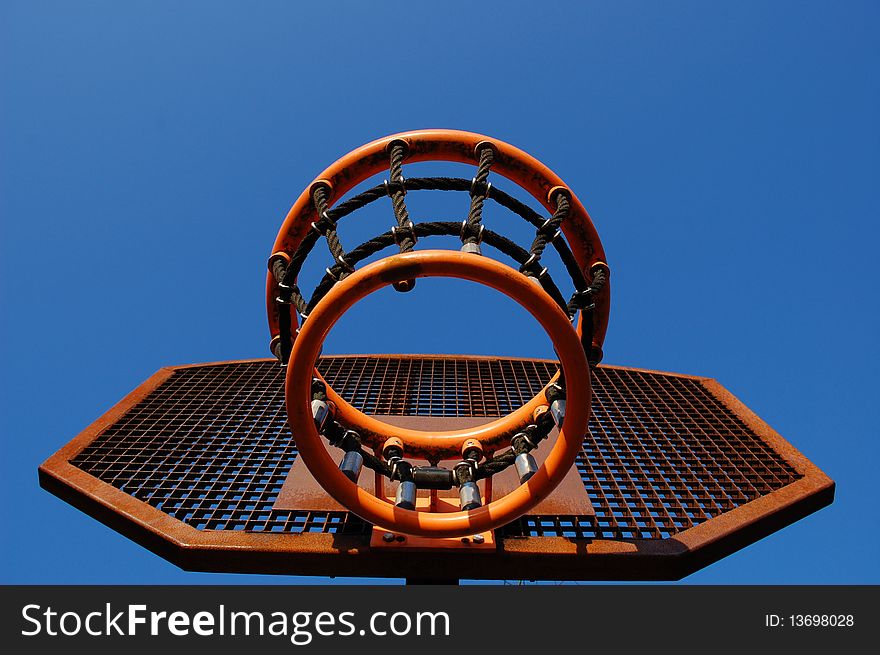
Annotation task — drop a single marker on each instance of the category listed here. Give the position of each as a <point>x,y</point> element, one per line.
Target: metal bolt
<point>321,414</point>
<point>478,538</point>
<point>388,537</point>
<point>557,411</point>
<point>406,495</point>
<point>351,465</point>
<point>469,495</point>
<point>526,466</point>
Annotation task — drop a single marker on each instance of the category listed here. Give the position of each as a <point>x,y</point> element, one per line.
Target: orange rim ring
<point>437,263</point>
<point>462,147</point>
<point>456,146</point>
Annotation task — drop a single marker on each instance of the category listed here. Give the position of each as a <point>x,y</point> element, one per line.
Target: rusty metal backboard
<point>678,472</point>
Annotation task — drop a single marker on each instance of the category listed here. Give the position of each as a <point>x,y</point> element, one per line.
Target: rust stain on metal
<point>302,492</point>
<point>570,498</point>
<point>192,464</point>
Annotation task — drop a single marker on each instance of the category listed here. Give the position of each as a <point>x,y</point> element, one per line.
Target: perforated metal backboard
<point>677,472</point>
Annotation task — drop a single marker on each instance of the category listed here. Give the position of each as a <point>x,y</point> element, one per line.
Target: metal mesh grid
<point>211,446</point>
<point>662,455</point>
<point>434,386</point>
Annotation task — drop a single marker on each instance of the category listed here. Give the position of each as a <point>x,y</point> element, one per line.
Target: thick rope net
<point>404,235</point>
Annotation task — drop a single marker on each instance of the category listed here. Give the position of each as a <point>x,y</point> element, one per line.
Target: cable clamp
<point>480,188</point>
<point>401,470</point>
<point>547,223</point>
<point>285,293</point>
<point>403,232</point>
<point>529,263</point>
<point>395,186</point>
<point>344,265</point>
<point>471,473</point>
<point>467,229</point>
<point>546,226</point>
<point>582,299</point>
<point>525,437</point>
<point>323,224</point>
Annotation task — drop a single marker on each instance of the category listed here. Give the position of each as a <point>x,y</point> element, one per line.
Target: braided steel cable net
<point>405,234</point>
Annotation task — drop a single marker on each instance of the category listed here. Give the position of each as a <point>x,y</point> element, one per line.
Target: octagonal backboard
<point>198,464</point>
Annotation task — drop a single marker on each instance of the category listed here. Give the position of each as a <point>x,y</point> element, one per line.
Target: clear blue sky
<point>729,156</point>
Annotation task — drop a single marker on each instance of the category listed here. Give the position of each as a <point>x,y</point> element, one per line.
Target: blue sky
<point>728,153</point>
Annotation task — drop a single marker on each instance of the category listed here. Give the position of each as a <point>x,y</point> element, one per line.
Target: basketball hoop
<point>299,391</point>
<point>234,483</point>
<point>393,448</point>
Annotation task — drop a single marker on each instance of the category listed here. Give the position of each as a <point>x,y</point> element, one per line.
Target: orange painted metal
<point>441,444</point>
<point>484,542</point>
<point>540,557</point>
<point>447,145</point>
<point>434,263</point>
<point>444,145</point>
<point>381,538</point>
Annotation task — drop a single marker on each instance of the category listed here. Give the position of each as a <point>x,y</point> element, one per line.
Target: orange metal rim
<point>446,145</point>
<point>437,263</point>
